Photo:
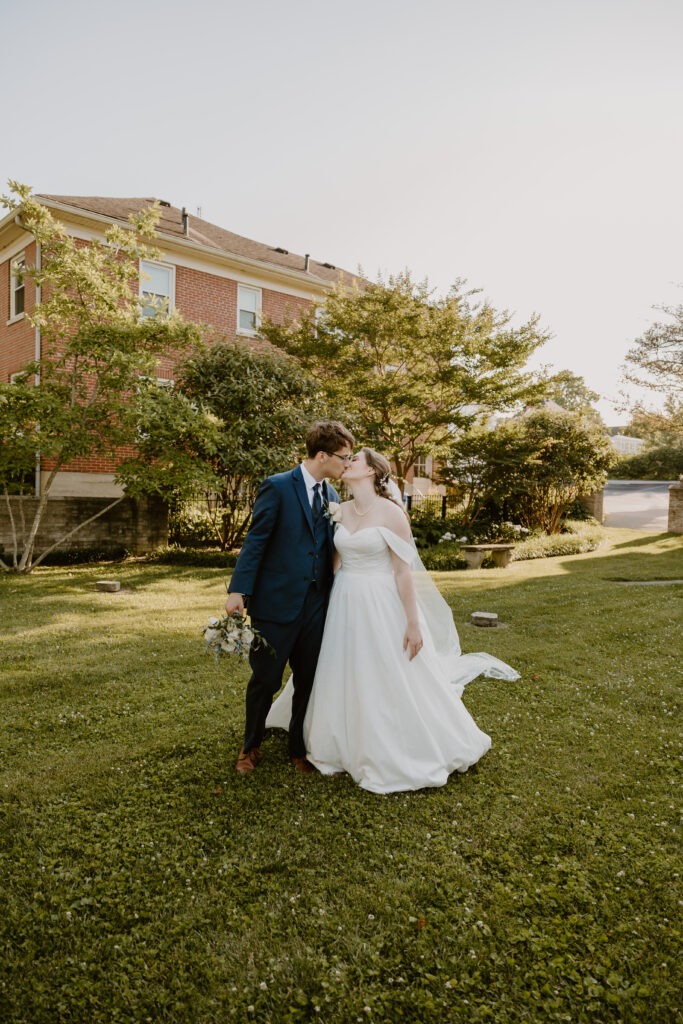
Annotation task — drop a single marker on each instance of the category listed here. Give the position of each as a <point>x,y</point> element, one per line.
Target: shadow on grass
<point>631,559</point>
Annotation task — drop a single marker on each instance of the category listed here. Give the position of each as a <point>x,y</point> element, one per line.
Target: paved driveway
<point>637,504</point>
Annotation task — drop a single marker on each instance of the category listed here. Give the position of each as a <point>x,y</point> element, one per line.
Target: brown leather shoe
<point>247,762</point>
<point>302,764</point>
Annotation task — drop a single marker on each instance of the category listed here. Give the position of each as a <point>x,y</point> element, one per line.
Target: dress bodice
<point>365,551</point>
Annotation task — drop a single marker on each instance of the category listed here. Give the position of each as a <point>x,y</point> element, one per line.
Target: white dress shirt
<point>311,482</point>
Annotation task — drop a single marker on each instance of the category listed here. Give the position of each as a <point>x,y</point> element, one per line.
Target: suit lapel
<point>330,524</point>
<point>302,495</point>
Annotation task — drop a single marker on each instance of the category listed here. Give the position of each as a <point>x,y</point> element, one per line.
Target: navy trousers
<point>295,642</point>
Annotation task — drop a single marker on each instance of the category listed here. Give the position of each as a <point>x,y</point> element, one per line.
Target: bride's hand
<point>412,641</point>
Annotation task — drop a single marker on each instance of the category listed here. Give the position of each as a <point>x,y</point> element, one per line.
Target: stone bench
<point>475,554</point>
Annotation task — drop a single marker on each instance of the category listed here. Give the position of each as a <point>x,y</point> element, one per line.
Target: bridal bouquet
<point>232,634</point>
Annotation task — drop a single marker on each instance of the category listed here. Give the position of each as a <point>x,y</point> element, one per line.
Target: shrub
<point>443,558</point>
<point>577,511</point>
<point>84,556</point>
<point>208,558</point>
<point>579,538</point>
<point>663,463</point>
<point>429,528</point>
<point>190,526</point>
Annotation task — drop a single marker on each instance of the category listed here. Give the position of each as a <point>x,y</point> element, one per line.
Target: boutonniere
<point>332,511</point>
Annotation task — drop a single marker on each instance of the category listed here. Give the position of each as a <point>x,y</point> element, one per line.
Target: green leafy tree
<point>404,368</point>
<point>661,457</point>
<point>97,351</point>
<point>571,392</point>
<point>531,468</point>
<point>657,428</point>
<point>656,359</point>
<point>251,408</point>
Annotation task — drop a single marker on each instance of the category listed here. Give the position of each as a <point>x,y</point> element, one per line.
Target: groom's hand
<point>235,603</point>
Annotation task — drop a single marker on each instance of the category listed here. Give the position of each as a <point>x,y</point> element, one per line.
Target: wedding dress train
<point>391,723</point>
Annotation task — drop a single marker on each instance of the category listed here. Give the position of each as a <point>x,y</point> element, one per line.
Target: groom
<point>284,575</point>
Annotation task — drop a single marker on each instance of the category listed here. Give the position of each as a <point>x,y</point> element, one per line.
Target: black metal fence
<point>437,504</point>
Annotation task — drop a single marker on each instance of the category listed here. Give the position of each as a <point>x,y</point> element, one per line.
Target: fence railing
<point>437,504</point>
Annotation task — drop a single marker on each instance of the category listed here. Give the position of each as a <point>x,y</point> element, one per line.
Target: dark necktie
<point>317,503</point>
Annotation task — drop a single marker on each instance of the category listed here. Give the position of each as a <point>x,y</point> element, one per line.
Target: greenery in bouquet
<point>232,635</point>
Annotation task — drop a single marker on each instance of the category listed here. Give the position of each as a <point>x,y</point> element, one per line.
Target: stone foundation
<point>136,526</point>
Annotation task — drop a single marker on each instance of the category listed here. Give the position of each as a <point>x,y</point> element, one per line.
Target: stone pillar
<point>676,507</point>
<point>593,503</point>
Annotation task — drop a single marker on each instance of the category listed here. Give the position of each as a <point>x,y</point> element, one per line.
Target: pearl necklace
<point>371,505</point>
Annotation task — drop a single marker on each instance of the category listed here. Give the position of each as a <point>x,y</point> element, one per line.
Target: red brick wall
<point>199,296</point>
<point>279,307</point>
<point>17,340</point>
<point>207,298</point>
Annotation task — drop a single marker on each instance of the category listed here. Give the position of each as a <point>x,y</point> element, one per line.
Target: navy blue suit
<point>285,571</point>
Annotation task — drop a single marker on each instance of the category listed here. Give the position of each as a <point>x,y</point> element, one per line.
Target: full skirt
<point>391,723</point>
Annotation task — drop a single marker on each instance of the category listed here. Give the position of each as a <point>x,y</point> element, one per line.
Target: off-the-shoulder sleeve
<point>405,551</point>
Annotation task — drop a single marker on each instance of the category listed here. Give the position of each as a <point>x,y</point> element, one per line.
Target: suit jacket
<point>277,562</point>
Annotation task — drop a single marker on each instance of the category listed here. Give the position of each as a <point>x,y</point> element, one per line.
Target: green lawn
<point>143,881</point>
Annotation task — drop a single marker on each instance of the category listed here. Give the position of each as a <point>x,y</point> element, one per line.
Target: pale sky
<point>533,147</point>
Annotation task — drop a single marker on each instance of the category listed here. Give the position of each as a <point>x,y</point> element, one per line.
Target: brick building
<point>209,274</point>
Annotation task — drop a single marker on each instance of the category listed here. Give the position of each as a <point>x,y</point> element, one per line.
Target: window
<point>423,467</point>
<point>16,288</point>
<point>248,309</point>
<point>156,289</point>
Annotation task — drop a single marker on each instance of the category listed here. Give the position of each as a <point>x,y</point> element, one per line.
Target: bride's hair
<point>384,485</point>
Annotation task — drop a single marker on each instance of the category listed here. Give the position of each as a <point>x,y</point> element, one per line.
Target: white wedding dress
<point>391,723</point>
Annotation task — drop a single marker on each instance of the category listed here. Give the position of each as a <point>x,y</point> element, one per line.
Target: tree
<point>657,427</point>
<point>571,392</point>
<point>404,368</point>
<point>661,457</point>
<point>532,467</point>
<point>236,415</point>
<point>97,354</point>
<point>656,359</point>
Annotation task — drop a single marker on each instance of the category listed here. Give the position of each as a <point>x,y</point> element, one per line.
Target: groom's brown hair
<point>327,436</point>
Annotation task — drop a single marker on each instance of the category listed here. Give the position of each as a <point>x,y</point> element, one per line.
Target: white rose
<point>213,622</point>
<point>210,635</point>
<point>334,511</point>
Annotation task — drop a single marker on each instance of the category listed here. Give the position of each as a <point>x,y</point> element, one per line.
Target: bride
<point>385,705</point>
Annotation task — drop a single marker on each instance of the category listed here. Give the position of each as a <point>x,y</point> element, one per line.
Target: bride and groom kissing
<point>377,671</point>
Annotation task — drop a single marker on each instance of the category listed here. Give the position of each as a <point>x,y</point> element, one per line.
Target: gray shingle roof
<point>204,233</point>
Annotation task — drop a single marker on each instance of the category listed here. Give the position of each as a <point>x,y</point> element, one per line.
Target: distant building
<point>627,445</point>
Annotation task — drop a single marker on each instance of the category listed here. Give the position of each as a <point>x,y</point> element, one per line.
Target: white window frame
<point>428,463</point>
<point>256,312</point>
<point>170,267</point>
<point>15,287</point>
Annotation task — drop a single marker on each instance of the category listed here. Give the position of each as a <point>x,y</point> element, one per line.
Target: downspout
<point>38,354</point>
